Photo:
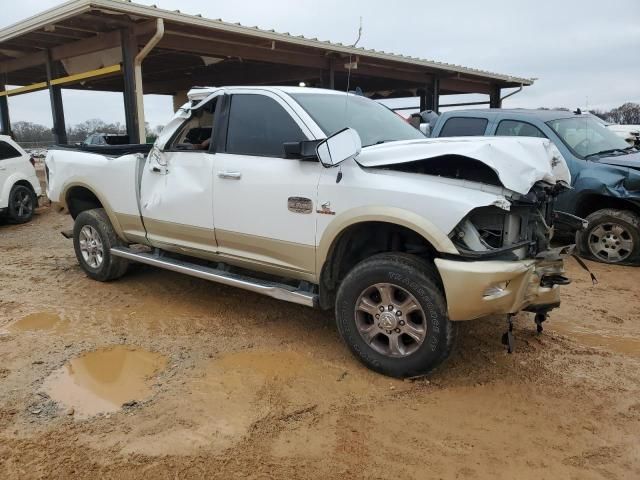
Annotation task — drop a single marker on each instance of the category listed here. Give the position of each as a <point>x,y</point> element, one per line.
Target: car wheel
<point>612,236</point>
<point>22,204</point>
<point>391,312</point>
<point>93,237</point>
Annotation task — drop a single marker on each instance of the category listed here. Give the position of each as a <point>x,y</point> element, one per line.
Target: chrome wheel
<point>610,242</point>
<point>390,320</point>
<point>91,246</point>
<point>22,202</point>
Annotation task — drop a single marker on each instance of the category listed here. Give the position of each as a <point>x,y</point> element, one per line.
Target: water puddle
<point>238,389</point>
<point>602,340</point>
<point>102,380</point>
<point>37,322</point>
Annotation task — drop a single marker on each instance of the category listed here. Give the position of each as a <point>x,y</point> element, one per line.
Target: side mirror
<point>305,150</point>
<point>340,146</point>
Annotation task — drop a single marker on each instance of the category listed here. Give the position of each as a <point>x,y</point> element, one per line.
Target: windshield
<point>374,122</point>
<point>587,137</point>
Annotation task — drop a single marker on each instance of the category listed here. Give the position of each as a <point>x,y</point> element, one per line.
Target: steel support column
<point>432,96</point>
<point>129,52</point>
<point>494,97</point>
<point>422,96</point>
<point>57,109</point>
<point>4,115</point>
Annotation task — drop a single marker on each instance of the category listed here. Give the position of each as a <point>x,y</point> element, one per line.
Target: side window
<point>195,133</point>
<point>514,128</point>
<point>464,127</point>
<point>7,151</point>
<point>258,125</point>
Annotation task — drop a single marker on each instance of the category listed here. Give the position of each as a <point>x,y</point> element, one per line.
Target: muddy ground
<point>221,383</point>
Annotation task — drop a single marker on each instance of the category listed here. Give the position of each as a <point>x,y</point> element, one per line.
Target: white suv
<point>19,185</point>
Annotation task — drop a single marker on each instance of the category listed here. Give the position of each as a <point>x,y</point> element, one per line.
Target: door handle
<point>230,175</point>
<point>3,168</point>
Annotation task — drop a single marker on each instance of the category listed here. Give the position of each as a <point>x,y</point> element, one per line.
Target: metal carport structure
<point>100,45</point>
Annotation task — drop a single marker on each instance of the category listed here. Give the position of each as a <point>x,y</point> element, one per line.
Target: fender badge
<point>325,209</point>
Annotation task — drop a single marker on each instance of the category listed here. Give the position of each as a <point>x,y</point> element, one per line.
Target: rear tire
<point>93,237</point>
<point>612,236</point>
<point>22,204</point>
<point>371,320</point>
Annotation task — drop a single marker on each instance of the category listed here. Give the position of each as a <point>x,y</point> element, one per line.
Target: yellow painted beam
<point>71,79</point>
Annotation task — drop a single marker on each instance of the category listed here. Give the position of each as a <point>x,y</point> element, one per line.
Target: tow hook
<point>539,319</point>
<point>551,279</point>
<point>507,337</point>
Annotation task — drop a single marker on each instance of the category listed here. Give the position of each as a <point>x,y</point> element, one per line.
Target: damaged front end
<point>508,261</point>
<point>512,230</point>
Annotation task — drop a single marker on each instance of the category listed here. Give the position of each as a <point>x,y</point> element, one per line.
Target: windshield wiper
<point>604,152</point>
<point>379,142</point>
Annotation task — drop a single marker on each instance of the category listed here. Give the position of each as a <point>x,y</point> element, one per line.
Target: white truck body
<point>284,216</point>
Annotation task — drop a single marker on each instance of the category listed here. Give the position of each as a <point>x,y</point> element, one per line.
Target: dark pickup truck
<point>605,172</point>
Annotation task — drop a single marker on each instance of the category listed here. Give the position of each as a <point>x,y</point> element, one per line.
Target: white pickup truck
<point>329,200</point>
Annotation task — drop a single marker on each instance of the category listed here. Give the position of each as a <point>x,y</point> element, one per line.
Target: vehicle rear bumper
<point>478,288</point>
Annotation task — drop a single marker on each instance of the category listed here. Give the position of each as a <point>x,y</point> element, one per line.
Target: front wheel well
<point>593,202</point>
<point>362,240</point>
<point>78,199</point>
<point>25,183</point>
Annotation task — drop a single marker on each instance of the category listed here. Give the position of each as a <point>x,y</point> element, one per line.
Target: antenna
<point>350,56</point>
<point>346,97</point>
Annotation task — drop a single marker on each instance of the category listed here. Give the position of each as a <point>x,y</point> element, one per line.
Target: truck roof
<point>199,93</point>
<point>543,115</point>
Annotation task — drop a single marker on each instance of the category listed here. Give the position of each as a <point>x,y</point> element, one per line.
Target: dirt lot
<point>221,383</point>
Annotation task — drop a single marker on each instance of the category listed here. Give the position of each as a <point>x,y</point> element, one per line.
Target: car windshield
<point>374,122</point>
<point>587,137</point>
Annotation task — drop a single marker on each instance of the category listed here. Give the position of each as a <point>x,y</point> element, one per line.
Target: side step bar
<point>270,289</point>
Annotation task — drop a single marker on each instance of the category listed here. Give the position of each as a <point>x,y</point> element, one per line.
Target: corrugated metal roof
<point>77,7</point>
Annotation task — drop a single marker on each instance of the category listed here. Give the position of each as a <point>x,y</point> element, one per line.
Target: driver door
<point>176,189</point>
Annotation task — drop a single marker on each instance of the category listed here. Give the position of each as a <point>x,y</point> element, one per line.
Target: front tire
<point>612,236</point>
<point>391,312</point>
<point>93,237</point>
<point>22,204</point>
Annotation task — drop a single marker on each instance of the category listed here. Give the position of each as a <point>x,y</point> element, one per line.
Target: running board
<point>265,287</point>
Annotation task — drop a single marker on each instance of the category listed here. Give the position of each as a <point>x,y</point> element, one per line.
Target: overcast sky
<point>584,53</point>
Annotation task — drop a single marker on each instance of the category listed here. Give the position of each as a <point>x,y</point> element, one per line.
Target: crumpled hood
<point>519,162</point>
<point>631,160</point>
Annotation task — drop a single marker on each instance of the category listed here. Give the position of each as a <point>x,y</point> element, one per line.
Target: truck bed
<point>110,150</point>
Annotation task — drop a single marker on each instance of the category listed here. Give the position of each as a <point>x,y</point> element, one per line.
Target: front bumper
<point>479,288</point>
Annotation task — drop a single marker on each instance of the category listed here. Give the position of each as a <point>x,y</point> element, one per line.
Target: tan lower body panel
<point>132,227</point>
<point>290,256</point>
<point>275,257</point>
<point>476,289</point>
<point>169,233</point>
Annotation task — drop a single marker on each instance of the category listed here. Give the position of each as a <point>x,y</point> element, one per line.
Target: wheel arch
<point>17,178</point>
<point>592,201</point>
<point>78,197</point>
<point>349,240</point>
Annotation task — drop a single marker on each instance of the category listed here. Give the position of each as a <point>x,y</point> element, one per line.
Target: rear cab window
<point>464,127</point>
<point>8,151</point>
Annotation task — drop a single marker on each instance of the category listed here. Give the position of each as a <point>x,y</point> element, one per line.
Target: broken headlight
<point>520,232</point>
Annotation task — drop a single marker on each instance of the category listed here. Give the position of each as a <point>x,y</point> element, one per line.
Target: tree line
<point>626,114</point>
<point>29,133</point>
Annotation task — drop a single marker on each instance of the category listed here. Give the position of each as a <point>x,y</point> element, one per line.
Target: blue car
<point>605,172</point>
